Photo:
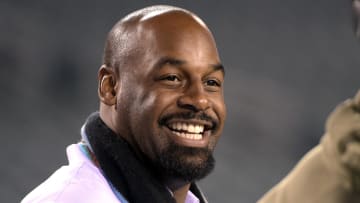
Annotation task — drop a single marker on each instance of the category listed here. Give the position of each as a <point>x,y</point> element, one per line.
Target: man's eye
<point>173,78</point>
<point>213,83</point>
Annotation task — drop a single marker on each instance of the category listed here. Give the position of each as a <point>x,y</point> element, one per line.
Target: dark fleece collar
<point>130,176</point>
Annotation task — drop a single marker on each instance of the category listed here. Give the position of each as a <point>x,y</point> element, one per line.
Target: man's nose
<point>194,98</point>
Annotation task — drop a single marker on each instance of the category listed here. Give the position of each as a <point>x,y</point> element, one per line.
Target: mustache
<point>189,115</point>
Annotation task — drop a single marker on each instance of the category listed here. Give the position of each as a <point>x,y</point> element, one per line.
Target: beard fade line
<point>173,162</point>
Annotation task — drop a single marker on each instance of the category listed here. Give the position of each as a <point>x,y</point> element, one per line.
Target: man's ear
<point>108,85</point>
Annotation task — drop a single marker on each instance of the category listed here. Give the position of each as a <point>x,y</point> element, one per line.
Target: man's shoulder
<point>80,181</point>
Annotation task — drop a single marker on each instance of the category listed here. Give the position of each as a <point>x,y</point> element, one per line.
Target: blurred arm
<point>330,172</point>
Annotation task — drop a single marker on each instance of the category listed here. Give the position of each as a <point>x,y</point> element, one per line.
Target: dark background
<point>288,63</point>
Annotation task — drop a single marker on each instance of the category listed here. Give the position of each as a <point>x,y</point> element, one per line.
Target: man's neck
<point>178,187</point>
<point>181,193</point>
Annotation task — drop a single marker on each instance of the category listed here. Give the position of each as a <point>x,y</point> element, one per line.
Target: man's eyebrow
<point>170,61</point>
<point>178,62</point>
<point>219,66</point>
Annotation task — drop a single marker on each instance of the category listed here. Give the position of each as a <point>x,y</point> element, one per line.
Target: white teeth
<point>190,131</point>
<point>189,136</point>
<point>183,126</point>
<point>190,128</point>
<point>178,126</point>
<point>199,128</point>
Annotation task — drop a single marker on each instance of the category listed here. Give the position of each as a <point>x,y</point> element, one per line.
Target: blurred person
<point>356,17</point>
<point>161,114</point>
<point>329,173</point>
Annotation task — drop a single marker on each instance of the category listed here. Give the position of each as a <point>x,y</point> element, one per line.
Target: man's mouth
<point>192,133</point>
<point>187,130</point>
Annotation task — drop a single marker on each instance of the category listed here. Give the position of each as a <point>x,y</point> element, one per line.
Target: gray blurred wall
<point>288,63</point>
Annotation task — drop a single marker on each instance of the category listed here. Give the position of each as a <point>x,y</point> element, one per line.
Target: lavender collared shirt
<point>79,182</point>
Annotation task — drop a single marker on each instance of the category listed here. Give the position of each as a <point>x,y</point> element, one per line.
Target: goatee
<point>187,163</point>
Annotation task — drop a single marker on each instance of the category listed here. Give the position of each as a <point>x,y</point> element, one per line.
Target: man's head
<point>161,89</point>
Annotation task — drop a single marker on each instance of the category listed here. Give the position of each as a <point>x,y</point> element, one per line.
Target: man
<point>331,171</point>
<point>161,114</point>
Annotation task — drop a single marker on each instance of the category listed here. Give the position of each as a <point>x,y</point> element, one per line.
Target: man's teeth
<point>187,128</point>
<point>189,131</point>
<point>189,135</point>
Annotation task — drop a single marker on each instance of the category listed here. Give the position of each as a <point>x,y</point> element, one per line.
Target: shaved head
<point>161,69</point>
<point>123,43</point>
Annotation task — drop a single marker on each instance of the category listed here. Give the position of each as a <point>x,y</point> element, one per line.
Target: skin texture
<point>161,66</point>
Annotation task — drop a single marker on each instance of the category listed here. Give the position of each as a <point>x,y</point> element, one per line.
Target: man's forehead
<point>176,33</point>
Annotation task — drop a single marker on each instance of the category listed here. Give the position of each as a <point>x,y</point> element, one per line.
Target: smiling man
<point>161,114</point>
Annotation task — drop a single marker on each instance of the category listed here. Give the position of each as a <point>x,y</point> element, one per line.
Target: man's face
<point>172,96</point>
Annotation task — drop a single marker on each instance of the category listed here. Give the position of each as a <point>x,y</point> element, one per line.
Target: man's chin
<point>189,164</point>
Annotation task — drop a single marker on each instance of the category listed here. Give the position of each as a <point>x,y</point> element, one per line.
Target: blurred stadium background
<point>288,63</point>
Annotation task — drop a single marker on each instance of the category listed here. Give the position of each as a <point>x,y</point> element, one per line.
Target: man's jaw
<point>181,164</point>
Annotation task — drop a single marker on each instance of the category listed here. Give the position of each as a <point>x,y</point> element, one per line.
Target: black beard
<point>186,163</point>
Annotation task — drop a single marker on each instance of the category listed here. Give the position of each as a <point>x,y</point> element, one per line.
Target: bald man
<point>329,173</point>
<point>161,114</point>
